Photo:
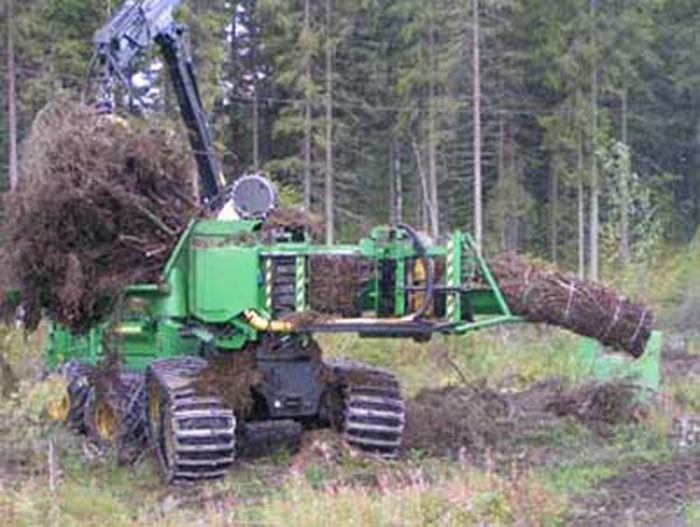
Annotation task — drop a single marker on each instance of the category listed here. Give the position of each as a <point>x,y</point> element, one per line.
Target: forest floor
<point>501,431</point>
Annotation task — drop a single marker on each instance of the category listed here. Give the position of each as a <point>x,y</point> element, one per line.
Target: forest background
<point>568,129</point>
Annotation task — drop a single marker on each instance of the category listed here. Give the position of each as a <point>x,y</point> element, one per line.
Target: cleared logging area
<point>468,420</point>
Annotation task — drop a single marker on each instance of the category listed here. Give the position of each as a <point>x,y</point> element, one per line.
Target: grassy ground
<point>45,479</point>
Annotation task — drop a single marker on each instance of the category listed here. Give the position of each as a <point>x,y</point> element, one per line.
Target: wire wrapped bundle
<point>100,204</point>
<point>548,296</point>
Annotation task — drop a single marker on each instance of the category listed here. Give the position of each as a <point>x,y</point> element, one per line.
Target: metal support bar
<point>268,284</point>
<point>486,272</point>
<point>300,284</point>
<point>483,324</point>
<point>453,277</point>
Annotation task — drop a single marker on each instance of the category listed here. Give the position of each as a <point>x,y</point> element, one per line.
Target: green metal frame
<point>487,302</point>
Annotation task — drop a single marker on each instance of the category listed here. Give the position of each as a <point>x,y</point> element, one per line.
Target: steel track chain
<point>373,411</point>
<point>194,436</point>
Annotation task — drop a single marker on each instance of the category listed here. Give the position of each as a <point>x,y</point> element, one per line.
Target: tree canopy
<point>588,116</point>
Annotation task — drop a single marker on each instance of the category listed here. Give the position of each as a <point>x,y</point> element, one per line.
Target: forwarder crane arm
<point>131,31</point>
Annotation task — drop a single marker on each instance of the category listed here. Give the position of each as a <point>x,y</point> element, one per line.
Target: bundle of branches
<point>336,282</point>
<point>100,204</point>
<point>545,295</point>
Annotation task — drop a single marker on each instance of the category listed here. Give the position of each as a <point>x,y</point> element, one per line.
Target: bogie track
<point>77,377</point>
<point>114,413</point>
<point>372,413</point>
<point>194,436</point>
<point>132,422</point>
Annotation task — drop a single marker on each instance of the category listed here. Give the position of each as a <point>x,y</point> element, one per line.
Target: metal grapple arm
<point>131,31</point>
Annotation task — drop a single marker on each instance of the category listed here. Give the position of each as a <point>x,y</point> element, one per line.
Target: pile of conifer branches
<point>100,204</point>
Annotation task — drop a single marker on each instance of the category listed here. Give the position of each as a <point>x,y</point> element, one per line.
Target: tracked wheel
<point>371,413</point>
<point>70,407</point>
<point>193,436</point>
<point>115,415</point>
<point>132,415</point>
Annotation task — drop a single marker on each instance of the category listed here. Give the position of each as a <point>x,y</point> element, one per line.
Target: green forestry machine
<point>237,305</point>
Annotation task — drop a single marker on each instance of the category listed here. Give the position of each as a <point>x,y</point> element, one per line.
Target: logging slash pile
<point>100,205</point>
<point>548,296</point>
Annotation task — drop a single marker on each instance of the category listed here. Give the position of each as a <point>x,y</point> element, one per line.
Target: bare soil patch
<point>471,420</point>
<point>646,494</point>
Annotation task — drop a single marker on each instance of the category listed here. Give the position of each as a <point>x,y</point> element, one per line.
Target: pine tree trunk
<point>256,132</point>
<point>256,101</point>
<point>392,183</point>
<point>231,162</point>
<point>306,146</point>
<point>398,182</point>
<point>501,145</point>
<point>581,216</point>
<point>329,126</point>
<point>478,225</point>
<point>13,170</point>
<point>553,214</point>
<point>502,177</point>
<point>624,187</point>
<point>515,197</point>
<point>395,191</point>
<point>594,219</point>
<point>432,139</point>
<point>424,202</point>
<point>432,175</point>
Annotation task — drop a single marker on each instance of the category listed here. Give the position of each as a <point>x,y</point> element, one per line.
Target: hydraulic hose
<point>261,323</point>
<point>421,251</point>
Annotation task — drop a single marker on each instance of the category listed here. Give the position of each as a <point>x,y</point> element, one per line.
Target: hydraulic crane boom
<point>131,31</point>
